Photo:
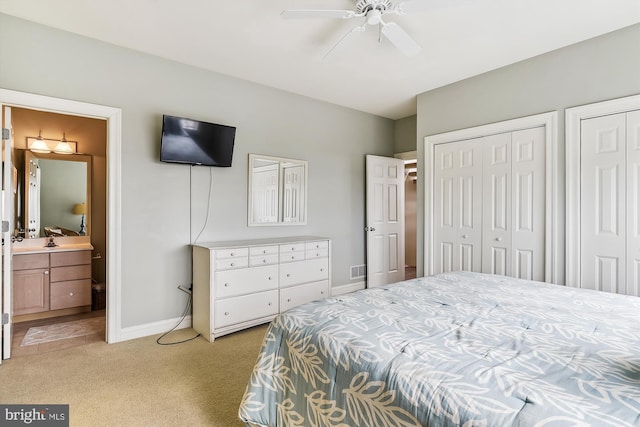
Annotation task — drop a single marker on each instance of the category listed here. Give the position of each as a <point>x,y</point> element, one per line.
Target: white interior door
<point>602,222</point>
<point>7,220</point>
<point>385,220</point>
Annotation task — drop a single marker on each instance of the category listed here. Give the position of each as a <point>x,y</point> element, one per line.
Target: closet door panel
<point>602,222</point>
<point>469,213</point>
<point>496,206</point>
<point>528,203</point>
<point>457,216</point>
<point>445,204</point>
<point>633,203</point>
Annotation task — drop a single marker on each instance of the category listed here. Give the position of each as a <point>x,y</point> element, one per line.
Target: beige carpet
<point>140,383</point>
<point>61,331</point>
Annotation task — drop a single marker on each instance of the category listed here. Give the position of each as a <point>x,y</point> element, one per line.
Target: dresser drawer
<point>70,258</point>
<point>291,256</point>
<point>74,272</point>
<point>295,273</point>
<point>263,250</point>
<point>245,308</point>
<point>296,295</point>
<point>258,260</point>
<point>232,253</point>
<point>235,262</point>
<point>245,281</point>
<point>74,293</point>
<point>320,244</point>
<point>316,253</point>
<point>292,247</point>
<point>30,261</point>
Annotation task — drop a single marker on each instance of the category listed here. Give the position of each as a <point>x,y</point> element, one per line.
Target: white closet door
<point>528,203</point>
<point>602,199</point>
<point>496,206</point>
<point>458,214</point>
<point>633,203</point>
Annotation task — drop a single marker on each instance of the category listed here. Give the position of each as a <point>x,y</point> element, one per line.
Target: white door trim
<point>113,116</point>
<point>553,263</point>
<point>573,119</point>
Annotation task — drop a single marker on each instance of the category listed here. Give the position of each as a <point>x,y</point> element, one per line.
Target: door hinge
<point>5,318</point>
<point>5,133</point>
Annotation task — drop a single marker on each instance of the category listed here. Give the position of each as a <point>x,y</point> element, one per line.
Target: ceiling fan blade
<point>294,14</point>
<point>411,6</point>
<point>401,39</point>
<point>344,41</point>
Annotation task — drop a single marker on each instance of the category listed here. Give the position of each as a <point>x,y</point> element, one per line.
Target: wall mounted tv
<point>195,142</point>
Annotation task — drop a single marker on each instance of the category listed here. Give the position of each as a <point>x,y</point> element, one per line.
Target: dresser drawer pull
<point>269,304</point>
<point>269,277</point>
<point>264,260</point>
<point>226,313</point>
<point>226,285</point>
<point>46,272</point>
<point>288,299</point>
<point>70,294</point>
<point>233,264</point>
<point>288,274</point>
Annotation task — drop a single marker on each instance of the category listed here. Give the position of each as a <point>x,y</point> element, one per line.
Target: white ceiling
<point>248,39</point>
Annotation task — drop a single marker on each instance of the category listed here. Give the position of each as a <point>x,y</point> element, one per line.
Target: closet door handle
<point>498,239</point>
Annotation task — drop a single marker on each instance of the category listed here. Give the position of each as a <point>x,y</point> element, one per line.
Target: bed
<point>456,349</point>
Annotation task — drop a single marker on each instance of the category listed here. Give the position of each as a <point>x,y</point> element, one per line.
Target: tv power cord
<point>186,311</point>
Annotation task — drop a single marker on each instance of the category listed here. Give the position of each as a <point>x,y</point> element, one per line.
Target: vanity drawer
<point>73,293</point>
<point>73,272</point>
<point>70,258</point>
<point>30,261</point>
<point>245,308</point>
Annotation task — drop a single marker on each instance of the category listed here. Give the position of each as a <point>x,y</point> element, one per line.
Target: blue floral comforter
<point>456,349</point>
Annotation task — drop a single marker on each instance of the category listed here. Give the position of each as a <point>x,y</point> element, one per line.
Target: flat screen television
<point>195,142</point>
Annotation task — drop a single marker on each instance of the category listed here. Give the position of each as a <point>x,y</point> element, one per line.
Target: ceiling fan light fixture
<point>374,17</point>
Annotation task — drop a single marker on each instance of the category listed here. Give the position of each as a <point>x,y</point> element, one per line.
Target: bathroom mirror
<point>57,195</point>
<point>277,191</point>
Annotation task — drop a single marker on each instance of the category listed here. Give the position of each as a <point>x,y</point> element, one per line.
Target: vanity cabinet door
<point>30,291</point>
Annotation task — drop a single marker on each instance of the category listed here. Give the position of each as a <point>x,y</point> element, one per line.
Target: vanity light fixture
<point>63,146</point>
<point>38,145</point>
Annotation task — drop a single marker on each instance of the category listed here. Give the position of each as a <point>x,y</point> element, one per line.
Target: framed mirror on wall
<point>57,195</point>
<point>277,191</point>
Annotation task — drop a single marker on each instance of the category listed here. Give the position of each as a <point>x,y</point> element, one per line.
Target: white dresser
<point>239,284</point>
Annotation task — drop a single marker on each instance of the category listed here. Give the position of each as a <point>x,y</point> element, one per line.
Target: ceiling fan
<point>372,11</point>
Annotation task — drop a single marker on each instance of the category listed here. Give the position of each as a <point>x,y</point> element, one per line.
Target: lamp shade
<point>39,146</point>
<point>62,147</point>
<point>79,209</point>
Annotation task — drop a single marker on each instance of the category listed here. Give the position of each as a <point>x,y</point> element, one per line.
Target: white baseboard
<point>154,328</point>
<point>349,287</point>
<point>162,326</point>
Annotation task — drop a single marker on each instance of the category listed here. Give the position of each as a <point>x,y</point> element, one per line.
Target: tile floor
<point>20,330</point>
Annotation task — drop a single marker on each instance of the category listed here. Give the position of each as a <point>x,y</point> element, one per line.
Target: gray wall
<point>599,69</point>
<point>404,135</point>
<point>164,206</point>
